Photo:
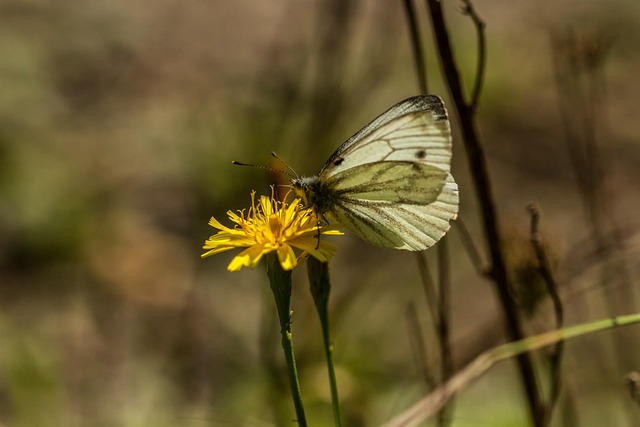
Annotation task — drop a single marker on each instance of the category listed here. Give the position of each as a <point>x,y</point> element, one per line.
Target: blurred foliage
<point>118,122</point>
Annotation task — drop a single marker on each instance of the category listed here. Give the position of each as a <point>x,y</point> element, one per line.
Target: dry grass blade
<point>433,402</point>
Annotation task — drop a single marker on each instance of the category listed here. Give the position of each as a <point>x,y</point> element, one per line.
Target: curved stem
<point>280,281</point>
<point>320,288</point>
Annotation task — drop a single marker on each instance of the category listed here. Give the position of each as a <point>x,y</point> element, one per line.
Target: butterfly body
<point>390,183</point>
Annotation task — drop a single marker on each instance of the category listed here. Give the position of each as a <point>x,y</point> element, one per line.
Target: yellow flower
<point>271,226</point>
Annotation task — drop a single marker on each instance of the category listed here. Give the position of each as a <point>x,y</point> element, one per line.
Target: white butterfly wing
<point>393,220</point>
<point>391,182</point>
<point>415,127</point>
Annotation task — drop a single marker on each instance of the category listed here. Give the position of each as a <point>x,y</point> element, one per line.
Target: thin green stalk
<point>320,289</point>
<point>443,325</point>
<point>281,287</point>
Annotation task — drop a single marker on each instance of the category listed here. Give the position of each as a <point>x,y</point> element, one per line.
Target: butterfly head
<point>314,193</point>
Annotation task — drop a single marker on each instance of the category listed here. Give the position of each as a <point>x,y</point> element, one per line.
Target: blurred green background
<point>118,124</point>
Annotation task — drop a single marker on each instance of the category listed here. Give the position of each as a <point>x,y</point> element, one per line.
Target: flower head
<point>269,226</point>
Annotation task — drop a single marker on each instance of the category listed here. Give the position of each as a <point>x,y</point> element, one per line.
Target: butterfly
<point>391,183</point>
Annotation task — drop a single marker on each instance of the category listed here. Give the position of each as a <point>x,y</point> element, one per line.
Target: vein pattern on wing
<point>395,204</point>
<point>417,104</point>
<point>396,182</point>
<point>415,137</point>
<point>390,183</point>
<point>399,225</point>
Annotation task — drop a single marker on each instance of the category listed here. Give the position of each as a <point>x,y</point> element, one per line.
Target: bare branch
<point>480,174</point>
<point>416,44</point>
<point>418,345</point>
<point>474,254</point>
<point>544,269</point>
<point>479,23</point>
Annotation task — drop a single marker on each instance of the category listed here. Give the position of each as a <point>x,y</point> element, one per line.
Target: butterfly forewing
<point>415,130</point>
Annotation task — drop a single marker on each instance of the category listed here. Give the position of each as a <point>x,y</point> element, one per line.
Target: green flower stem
<point>281,288</point>
<point>320,288</point>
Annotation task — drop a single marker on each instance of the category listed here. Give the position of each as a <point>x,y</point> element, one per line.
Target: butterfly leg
<point>322,220</point>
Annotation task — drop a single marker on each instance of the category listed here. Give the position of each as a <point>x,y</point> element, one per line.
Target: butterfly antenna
<point>289,186</point>
<point>265,168</point>
<point>273,153</point>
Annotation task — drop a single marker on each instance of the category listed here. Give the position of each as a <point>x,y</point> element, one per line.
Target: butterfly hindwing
<point>391,181</point>
<point>400,225</point>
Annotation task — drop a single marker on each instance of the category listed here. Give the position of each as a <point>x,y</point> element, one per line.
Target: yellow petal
<point>323,251</point>
<point>238,219</point>
<point>265,205</point>
<point>216,224</point>
<point>216,251</point>
<point>222,239</point>
<point>333,233</point>
<point>287,257</point>
<point>247,258</point>
<point>290,212</point>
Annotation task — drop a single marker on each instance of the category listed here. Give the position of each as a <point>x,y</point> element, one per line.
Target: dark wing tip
<point>431,103</point>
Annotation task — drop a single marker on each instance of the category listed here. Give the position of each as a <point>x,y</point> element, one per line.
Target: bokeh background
<point>118,124</point>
